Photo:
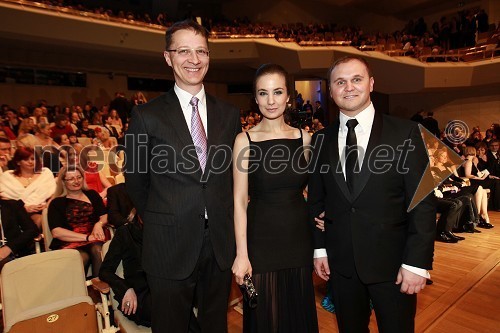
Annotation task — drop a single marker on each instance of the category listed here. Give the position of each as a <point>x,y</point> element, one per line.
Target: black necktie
<point>351,153</point>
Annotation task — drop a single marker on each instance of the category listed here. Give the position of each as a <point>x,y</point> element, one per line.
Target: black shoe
<point>443,237</point>
<point>458,230</point>
<point>429,282</point>
<point>485,225</point>
<point>452,235</point>
<point>477,231</point>
<point>467,227</point>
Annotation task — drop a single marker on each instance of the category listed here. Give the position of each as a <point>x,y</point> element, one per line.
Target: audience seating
<point>84,141</point>
<point>47,292</point>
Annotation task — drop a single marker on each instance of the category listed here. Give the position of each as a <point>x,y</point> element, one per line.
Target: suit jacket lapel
<point>176,118</point>
<point>364,174</point>
<point>335,165</point>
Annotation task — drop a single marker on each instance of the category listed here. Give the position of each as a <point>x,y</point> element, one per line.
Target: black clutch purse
<point>249,293</point>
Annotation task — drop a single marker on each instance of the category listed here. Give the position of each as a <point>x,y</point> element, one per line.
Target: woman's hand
<point>34,208</point>
<point>129,302</point>
<point>98,231</point>
<point>320,223</point>
<point>241,267</point>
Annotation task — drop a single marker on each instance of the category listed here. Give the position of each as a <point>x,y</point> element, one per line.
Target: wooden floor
<point>464,298</point>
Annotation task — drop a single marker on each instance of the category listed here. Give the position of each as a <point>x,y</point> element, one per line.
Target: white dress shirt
<point>363,130</point>
<point>187,109</point>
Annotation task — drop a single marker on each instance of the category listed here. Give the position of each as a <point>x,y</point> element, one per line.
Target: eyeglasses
<point>187,52</point>
<point>78,178</point>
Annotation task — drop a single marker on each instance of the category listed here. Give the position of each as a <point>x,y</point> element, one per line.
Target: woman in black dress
<point>77,217</point>
<point>273,238</point>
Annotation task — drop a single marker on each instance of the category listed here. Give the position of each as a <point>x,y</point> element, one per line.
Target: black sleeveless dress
<point>279,239</point>
<point>492,184</point>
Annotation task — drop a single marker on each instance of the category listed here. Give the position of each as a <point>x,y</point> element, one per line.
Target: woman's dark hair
<point>481,145</point>
<point>22,154</point>
<point>267,69</point>
<point>58,138</point>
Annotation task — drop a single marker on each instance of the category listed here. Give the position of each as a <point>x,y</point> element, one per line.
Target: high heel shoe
<point>483,224</point>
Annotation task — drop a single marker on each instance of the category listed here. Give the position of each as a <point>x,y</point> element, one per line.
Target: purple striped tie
<point>198,134</point>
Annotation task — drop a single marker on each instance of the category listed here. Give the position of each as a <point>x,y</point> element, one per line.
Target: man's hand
<point>5,251</point>
<point>129,302</point>
<point>321,268</point>
<point>411,283</point>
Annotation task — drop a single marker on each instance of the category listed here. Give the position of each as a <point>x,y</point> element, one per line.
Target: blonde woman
<point>77,217</point>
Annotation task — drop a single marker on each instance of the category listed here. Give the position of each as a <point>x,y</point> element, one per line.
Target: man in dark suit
<point>431,124</point>
<point>178,151</point>
<point>120,207</point>
<point>372,247</point>
<point>493,156</point>
<point>320,114</point>
<point>17,231</point>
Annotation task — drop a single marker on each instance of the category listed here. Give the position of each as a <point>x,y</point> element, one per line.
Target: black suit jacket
<point>18,228</point>
<point>119,205</point>
<point>166,184</point>
<point>493,163</point>
<point>370,229</point>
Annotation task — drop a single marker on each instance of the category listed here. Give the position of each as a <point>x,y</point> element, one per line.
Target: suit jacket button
<point>353,210</point>
<point>204,186</point>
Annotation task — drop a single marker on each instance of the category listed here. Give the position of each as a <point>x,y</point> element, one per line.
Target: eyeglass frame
<point>205,53</point>
<point>73,179</point>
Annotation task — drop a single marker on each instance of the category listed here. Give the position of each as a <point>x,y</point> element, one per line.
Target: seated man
<point>119,205</point>
<point>493,156</point>
<point>17,231</point>
<point>131,291</point>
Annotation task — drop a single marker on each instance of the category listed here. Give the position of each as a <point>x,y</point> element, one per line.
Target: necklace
<point>27,179</point>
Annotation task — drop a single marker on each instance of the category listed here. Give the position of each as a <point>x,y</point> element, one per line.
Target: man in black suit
<point>183,193</point>
<point>372,247</point>
<point>493,156</point>
<point>120,207</point>
<point>17,231</point>
<point>320,114</point>
<point>431,124</point>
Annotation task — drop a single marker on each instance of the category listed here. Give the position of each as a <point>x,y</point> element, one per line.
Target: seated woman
<point>103,138</point>
<point>17,231</point>
<point>94,177</point>
<point>479,177</point>
<point>132,291</point>
<point>77,217</point>
<point>473,197</point>
<point>25,135</point>
<point>28,182</point>
<point>114,119</point>
<point>482,157</point>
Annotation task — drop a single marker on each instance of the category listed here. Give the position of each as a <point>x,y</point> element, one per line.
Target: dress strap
<point>300,130</point>
<point>248,136</point>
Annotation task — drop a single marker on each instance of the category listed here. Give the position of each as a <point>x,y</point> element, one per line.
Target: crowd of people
<point>442,37</point>
<point>467,187</point>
